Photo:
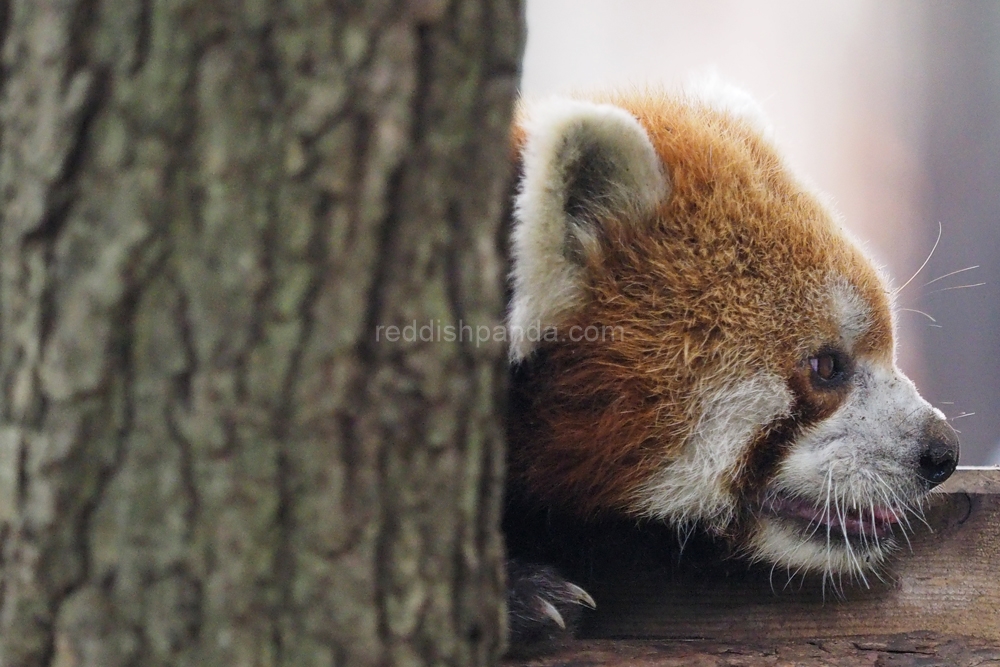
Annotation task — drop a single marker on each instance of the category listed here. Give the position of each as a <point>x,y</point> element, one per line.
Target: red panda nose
<point>939,453</point>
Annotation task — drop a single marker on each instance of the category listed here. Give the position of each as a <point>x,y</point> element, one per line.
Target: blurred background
<point>891,107</point>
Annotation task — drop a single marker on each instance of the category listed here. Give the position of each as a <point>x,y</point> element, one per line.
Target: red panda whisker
<point>878,572</point>
<point>907,417</point>
<point>929,255</point>
<point>949,275</point>
<point>789,576</point>
<point>842,511</point>
<point>687,528</point>
<point>948,289</point>
<point>900,519</point>
<point>829,527</point>
<point>864,535</point>
<point>871,504</point>
<point>919,312</point>
<point>838,589</point>
<point>918,512</point>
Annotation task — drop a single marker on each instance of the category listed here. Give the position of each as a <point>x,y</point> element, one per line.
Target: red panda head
<point>696,340</point>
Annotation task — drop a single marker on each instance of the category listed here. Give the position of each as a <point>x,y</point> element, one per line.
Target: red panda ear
<point>714,92</point>
<point>584,164</point>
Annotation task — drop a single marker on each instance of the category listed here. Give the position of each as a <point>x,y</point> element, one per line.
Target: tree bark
<point>207,209</point>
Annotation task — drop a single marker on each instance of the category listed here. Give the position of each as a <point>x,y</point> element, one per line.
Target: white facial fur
<point>547,282</point>
<point>862,457</point>
<point>849,310</point>
<point>696,486</point>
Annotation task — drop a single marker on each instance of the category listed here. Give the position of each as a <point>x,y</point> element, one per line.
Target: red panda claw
<point>550,610</point>
<point>580,596</point>
<point>543,609</point>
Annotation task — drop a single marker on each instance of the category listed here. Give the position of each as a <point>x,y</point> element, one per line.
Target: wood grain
<point>947,584</point>
<point>973,479</point>
<point>891,651</point>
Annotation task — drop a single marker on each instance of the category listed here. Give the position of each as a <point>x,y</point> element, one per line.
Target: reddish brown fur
<point>729,277</point>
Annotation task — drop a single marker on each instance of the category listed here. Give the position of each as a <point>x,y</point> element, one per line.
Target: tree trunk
<point>208,208</point>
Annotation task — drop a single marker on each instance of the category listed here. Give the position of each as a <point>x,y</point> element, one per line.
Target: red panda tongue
<point>877,520</point>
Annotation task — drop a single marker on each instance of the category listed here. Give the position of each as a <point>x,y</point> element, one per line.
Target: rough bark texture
<point>207,208</point>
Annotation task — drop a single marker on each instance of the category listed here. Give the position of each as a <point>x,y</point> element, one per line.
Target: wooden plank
<point>972,479</point>
<point>949,584</point>
<point>891,651</point>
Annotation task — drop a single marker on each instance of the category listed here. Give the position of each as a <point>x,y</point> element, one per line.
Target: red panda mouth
<point>874,521</point>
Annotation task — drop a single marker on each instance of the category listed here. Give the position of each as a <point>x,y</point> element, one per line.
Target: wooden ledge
<point>972,479</point>
<point>947,582</point>
<point>889,651</point>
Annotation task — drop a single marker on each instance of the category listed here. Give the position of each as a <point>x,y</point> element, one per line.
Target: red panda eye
<point>830,368</point>
<point>823,366</point>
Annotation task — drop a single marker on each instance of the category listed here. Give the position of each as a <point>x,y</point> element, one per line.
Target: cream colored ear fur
<point>715,92</point>
<point>583,163</point>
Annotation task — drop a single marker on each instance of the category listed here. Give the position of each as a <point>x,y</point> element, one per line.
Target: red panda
<point>695,340</point>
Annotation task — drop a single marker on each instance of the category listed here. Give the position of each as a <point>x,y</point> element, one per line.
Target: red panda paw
<point>543,609</point>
